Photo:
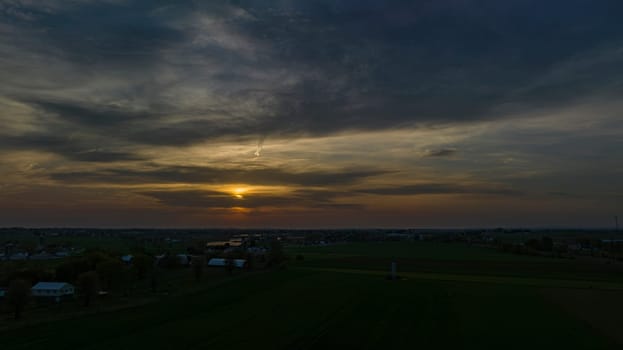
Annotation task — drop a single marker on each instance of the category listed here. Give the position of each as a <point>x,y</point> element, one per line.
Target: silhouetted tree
<point>154,279</point>
<point>229,265</point>
<point>197,247</point>
<point>547,244</point>
<point>29,246</point>
<point>142,264</point>
<point>18,295</point>
<point>534,244</point>
<point>198,264</point>
<point>89,286</point>
<point>276,255</point>
<point>70,270</point>
<point>111,272</point>
<point>32,274</point>
<point>170,262</point>
<point>94,257</point>
<point>138,246</point>
<point>250,261</point>
<point>65,272</point>
<point>544,244</point>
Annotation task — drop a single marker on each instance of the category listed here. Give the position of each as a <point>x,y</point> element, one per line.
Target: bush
<point>276,255</point>
<point>142,264</point>
<point>111,271</point>
<point>70,270</point>
<point>33,275</point>
<point>89,286</point>
<point>170,262</point>
<point>18,296</point>
<point>198,264</point>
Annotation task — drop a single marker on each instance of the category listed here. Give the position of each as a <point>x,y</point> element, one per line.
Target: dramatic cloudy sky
<point>324,113</point>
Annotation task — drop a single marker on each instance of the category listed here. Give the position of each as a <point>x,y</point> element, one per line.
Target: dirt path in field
<point>520,281</point>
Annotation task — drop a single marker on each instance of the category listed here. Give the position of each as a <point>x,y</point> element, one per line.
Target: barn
<point>55,291</point>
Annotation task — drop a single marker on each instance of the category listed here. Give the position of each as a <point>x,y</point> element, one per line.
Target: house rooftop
<point>49,285</point>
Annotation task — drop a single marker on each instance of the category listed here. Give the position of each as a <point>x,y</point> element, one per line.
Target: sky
<point>311,114</point>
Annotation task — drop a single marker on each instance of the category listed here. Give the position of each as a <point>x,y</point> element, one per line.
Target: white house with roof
<point>53,290</point>
<point>219,262</point>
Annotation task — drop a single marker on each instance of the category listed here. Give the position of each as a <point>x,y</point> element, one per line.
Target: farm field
<point>437,257</point>
<point>325,302</point>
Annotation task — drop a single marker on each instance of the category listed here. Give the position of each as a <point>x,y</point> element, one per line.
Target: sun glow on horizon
<point>239,192</point>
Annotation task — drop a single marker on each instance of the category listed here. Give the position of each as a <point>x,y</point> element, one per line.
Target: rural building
<point>19,256</point>
<point>257,250</point>
<point>220,262</point>
<point>224,244</point>
<point>183,259</point>
<point>43,256</point>
<point>52,290</point>
<point>166,259</point>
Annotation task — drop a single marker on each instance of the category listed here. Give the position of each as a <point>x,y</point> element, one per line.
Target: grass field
<point>323,303</point>
<point>436,257</point>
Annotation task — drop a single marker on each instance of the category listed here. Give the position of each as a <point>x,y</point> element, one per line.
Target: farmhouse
<point>216,262</point>
<point>52,290</point>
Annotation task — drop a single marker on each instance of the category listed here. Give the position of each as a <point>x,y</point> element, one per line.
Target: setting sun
<point>238,192</point>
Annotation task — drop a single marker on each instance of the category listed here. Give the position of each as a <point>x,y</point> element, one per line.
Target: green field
<point>326,301</point>
<point>435,257</point>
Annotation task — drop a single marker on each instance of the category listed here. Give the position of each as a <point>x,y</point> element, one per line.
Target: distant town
<point>54,243</point>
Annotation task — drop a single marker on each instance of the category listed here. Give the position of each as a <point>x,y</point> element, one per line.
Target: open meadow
<point>337,296</point>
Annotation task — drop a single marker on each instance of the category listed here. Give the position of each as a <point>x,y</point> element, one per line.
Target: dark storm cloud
<point>207,175</point>
<point>444,152</point>
<point>89,32</point>
<point>89,116</point>
<point>103,156</point>
<point>211,199</point>
<point>144,127</point>
<point>441,188</point>
<point>390,62</point>
<point>573,196</point>
<point>72,148</point>
<point>192,131</point>
<point>353,65</point>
